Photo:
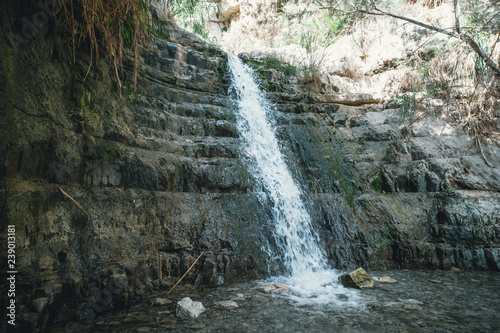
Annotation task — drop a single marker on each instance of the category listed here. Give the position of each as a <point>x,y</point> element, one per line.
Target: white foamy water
<point>308,275</point>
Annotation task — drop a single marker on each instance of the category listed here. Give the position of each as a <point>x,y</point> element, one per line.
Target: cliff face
<point>158,177</point>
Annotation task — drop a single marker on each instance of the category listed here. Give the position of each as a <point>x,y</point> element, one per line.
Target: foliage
<point>273,62</point>
<point>313,66</point>
<point>325,30</point>
<point>192,15</point>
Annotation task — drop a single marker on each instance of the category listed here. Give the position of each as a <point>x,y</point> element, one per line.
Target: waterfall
<point>297,242</point>
<point>294,235</point>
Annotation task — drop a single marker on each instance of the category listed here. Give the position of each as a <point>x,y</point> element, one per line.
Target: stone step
<point>307,108</point>
<point>163,171</point>
<point>191,146</point>
<point>170,93</point>
<point>189,127</point>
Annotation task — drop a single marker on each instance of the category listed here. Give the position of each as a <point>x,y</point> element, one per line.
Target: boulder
<point>187,309</point>
<point>358,279</point>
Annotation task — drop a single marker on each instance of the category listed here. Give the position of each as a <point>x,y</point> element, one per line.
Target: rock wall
<point>114,197</point>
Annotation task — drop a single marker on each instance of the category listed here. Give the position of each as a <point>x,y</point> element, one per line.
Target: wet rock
<point>411,301</point>
<point>456,270</point>
<point>358,279</point>
<point>132,318</point>
<point>386,279</point>
<point>275,288</point>
<point>412,307</point>
<point>260,298</point>
<point>143,329</point>
<point>40,303</point>
<point>162,301</point>
<point>226,305</point>
<point>375,305</point>
<point>187,309</point>
<point>198,327</point>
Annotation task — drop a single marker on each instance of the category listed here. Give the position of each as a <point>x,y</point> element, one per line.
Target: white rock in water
<point>187,309</point>
<point>226,304</point>
<point>275,288</point>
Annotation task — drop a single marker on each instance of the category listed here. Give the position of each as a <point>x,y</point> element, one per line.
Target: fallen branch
<point>185,273</point>
<point>76,203</point>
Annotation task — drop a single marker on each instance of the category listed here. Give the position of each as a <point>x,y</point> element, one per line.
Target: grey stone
<point>226,305</point>
<point>260,298</point>
<point>162,301</point>
<point>187,309</point>
<point>40,303</point>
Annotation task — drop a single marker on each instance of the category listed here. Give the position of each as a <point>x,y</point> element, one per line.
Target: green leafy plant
<point>378,182</point>
<point>192,15</point>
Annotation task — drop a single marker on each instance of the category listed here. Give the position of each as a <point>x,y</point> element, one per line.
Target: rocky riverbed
<point>420,301</point>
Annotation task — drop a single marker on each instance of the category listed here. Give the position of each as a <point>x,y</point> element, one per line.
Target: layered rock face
<point>115,197</point>
<point>384,194</point>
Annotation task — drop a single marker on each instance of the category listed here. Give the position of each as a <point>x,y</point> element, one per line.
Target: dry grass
<point>480,113</point>
<point>109,26</point>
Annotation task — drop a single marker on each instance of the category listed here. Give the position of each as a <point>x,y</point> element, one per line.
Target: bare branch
<point>457,21</point>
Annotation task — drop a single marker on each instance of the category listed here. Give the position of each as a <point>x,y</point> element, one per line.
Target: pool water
<point>421,301</point>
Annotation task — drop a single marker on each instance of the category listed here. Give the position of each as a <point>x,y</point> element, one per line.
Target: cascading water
<point>308,274</point>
